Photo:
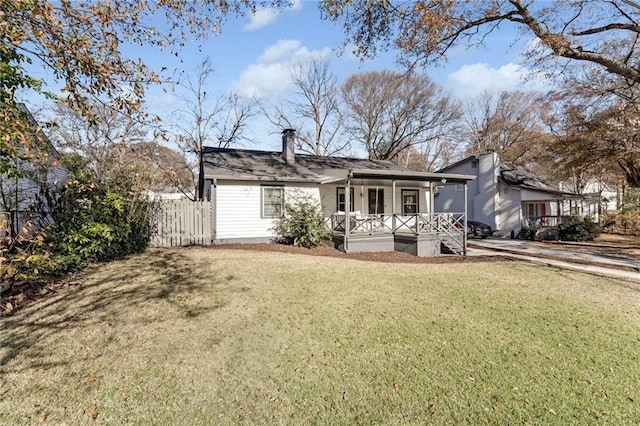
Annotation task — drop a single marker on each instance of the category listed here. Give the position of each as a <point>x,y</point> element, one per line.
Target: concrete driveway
<point>584,257</point>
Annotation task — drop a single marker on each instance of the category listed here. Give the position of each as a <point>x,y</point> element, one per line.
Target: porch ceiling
<point>533,195</point>
<point>408,178</point>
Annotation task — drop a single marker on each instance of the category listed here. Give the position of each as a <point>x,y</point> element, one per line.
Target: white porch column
<point>393,206</point>
<point>464,231</point>
<point>431,199</point>
<point>347,213</point>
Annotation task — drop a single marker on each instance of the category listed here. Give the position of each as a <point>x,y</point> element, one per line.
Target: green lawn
<point>212,336</point>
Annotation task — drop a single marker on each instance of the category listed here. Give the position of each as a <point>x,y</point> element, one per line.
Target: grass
<point>212,336</point>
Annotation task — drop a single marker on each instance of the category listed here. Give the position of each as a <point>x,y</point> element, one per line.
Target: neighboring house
<point>506,196</point>
<point>391,207</point>
<point>599,195</point>
<point>170,193</point>
<point>28,197</point>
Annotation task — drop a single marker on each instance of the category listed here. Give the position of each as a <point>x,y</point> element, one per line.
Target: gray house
<point>28,195</point>
<point>506,196</point>
<point>369,205</point>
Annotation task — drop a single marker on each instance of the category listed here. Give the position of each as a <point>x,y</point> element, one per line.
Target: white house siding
<point>238,210</point>
<point>328,196</point>
<point>509,213</point>
<point>486,201</point>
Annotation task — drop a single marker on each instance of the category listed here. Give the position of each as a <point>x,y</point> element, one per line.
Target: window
<point>409,201</point>
<point>341,196</point>
<point>531,210</point>
<point>459,188</point>
<point>272,201</point>
<point>376,201</point>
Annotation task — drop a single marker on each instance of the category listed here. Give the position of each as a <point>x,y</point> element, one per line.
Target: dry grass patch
<point>200,336</point>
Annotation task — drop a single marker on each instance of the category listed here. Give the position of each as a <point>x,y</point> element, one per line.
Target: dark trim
<point>247,240</point>
<point>262,215</point>
<point>351,199</point>
<point>402,191</point>
<point>378,192</point>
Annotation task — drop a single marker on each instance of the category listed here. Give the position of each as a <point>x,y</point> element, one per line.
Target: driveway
<point>604,259</point>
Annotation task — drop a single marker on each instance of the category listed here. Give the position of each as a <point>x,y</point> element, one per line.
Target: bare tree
<point>389,113</point>
<point>116,148</point>
<point>314,109</point>
<point>206,120</point>
<point>604,33</point>
<point>104,141</point>
<point>509,123</point>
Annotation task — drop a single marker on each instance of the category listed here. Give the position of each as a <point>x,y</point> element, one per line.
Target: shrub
<point>97,224</point>
<point>302,225</point>
<point>586,230</point>
<point>93,223</point>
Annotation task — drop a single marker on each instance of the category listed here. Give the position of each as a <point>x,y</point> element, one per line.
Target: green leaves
<point>586,230</point>
<point>303,224</point>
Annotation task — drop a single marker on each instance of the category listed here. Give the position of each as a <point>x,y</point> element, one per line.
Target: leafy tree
<point>99,32</point>
<point>603,33</point>
<point>388,113</point>
<point>597,141</point>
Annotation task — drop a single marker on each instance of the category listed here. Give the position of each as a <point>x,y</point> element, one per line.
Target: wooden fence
<point>181,223</point>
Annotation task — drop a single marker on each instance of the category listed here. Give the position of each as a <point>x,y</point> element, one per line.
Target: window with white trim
<point>531,209</point>
<point>340,196</point>
<point>272,201</point>
<point>409,201</point>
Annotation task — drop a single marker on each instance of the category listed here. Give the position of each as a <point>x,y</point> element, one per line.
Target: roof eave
<point>264,178</point>
<point>411,175</point>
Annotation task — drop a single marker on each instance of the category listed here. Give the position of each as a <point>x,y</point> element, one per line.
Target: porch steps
<point>451,245</point>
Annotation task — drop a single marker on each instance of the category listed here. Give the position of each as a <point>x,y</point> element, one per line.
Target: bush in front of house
<point>93,222</point>
<point>302,225</point>
<point>99,224</point>
<point>587,230</point>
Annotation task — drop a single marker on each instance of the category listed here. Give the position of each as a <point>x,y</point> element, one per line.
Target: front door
<point>376,200</point>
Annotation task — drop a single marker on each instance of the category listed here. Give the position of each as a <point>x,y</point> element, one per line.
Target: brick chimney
<point>288,145</point>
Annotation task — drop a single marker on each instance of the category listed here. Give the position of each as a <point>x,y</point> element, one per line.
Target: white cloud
<point>270,75</point>
<point>265,16</point>
<point>261,18</point>
<point>471,80</point>
<point>283,49</point>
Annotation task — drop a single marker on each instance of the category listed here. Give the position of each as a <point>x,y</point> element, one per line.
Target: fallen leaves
<point>94,413</point>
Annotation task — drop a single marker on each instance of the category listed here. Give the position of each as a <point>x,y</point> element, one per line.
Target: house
<point>389,207</point>
<point>599,196</point>
<point>506,196</point>
<point>169,193</point>
<point>29,191</point>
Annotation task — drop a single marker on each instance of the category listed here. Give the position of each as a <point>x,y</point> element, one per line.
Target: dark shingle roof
<point>269,165</point>
<point>519,176</point>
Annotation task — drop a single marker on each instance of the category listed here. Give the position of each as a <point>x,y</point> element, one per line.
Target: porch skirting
<point>425,245</point>
<point>365,243</point>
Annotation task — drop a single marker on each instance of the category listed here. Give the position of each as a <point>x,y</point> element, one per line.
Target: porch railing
<point>449,227</point>
<point>537,222</point>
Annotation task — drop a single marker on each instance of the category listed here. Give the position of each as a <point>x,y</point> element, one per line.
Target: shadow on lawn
<point>136,289</point>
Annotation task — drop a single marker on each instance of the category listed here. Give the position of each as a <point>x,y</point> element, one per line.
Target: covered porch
<point>541,218</point>
<point>402,220</point>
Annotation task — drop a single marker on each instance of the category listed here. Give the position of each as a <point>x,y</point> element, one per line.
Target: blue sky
<point>254,55</point>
